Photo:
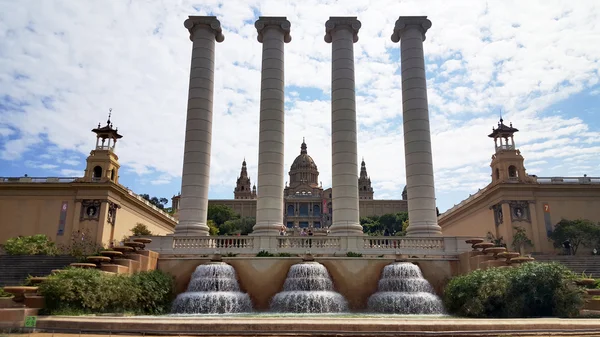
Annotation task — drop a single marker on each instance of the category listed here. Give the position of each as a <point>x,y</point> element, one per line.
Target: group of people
<point>304,232</point>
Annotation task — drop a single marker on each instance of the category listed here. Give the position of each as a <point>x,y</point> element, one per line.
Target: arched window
<point>242,188</point>
<point>98,172</point>
<point>497,173</point>
<point>512,171</point>
<point>112,174</point>
<point>290,210</point>
<point>316,210</point>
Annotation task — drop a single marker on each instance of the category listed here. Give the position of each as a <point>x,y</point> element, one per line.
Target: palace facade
<point>514,198</point>
<point>307,204</point>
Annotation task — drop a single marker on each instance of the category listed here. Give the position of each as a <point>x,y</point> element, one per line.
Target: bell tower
<point>103,163</point>
<point>365,190</point>
<point>242,187</point>
<point>507,163</point>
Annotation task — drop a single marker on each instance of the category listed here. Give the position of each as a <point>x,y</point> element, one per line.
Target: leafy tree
<point>219,214</point>
<point>394,223</point>
<point>140,229</point>
<point>242,226</point>
<point>212,228</point>
<point>158,202</point>
<point>520,239</point>
<point>580,231</point>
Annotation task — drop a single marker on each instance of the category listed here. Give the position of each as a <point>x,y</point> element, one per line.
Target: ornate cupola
<point>243,189</point>
<point>103,163</point>
<point>507,162</point>
<point>304,170</point>
<point>365,191</point>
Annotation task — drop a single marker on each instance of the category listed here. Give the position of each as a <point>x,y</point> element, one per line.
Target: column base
<point>423,229</point>
<point>346,229</point>
<point>266,229</point>
<point>191,229</point>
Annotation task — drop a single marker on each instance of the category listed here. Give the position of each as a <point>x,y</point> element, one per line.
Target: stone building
<point>514,198</point>
<point>95,204</point>
<point>307,204</point>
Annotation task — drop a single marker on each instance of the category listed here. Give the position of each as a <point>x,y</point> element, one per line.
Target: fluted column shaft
<point>273,32</point>
<point>342,33</point>
<point>422,215</point>
<point>204,31</point>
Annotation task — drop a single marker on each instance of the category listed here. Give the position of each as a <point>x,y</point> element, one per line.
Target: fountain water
<point>308,289</point>
<point>403,290</point>
<point>213,289</point>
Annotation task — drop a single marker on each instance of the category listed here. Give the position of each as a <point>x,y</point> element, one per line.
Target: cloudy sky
<point>63,64</point>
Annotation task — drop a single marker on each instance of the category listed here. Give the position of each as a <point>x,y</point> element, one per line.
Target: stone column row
<point>342,32</point>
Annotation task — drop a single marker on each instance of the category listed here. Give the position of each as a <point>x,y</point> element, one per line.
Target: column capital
<point>336,22</point>
<point>408,22</point>
<point>280,22</point>
<point>193,22</point>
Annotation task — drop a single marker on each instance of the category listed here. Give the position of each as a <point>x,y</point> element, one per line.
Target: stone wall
<point>14,269</point>
<point>355,278</point>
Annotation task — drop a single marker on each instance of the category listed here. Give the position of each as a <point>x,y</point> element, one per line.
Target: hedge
<point>91,291</point>
<point>529,290</point>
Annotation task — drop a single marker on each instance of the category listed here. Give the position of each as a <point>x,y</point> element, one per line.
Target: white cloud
<point>74,60</point>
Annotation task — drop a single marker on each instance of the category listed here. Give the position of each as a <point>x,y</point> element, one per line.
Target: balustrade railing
<point>435,246</point>
<point>318,243</point>
<point>425,245</point>
<point>213,242</point>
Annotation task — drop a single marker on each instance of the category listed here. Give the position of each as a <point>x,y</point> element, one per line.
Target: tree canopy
<point>223,220</point>
<point>395,223</point>
<point>577,232</point>
<point>158,202</point>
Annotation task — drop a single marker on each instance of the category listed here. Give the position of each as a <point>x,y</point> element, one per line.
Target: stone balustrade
<point>328,245</point>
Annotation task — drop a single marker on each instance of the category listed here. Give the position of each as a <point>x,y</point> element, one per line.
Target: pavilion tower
<point>243,189</point>
<point>103,162</point>
<point>507,162</point>
<point>365,190</point>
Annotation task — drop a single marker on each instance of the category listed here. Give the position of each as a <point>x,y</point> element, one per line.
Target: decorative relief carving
<point>194,22</point>
<point>406,22</point>
<point>280,22</point>
<point>112,212</point>
<point>519,211</point>
<point>498,216</point>
<point>90,210</point>
<point>335,22</point>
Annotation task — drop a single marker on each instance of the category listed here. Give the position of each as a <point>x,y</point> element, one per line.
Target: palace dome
<point>303,169</point>
<point>303,161</point>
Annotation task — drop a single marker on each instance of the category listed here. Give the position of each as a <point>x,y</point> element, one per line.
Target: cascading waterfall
<point>308,289</point>
<point>213,289</point>
<point>403,290</point>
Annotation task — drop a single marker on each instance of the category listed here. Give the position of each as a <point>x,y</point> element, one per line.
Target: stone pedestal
<point>410,31</point>
<point>273,32</point>
<point>193,205</point>
<point>342,33</point>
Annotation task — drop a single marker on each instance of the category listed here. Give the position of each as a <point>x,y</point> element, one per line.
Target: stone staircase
<point>588,264</point>
<point>14,269</point>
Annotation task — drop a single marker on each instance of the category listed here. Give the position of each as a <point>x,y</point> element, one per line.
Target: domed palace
<point>307,204</point>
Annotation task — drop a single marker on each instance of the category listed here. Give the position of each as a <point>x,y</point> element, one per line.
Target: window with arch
<point>497,173</point>
<point>303,210</point>
<point>290,210</point>
<point>112,175</point>
<point>316,210</point>
<point>512,172</point>
<point>98,172</point>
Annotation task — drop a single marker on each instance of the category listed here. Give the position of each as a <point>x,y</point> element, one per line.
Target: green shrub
<point>90,291</point>
<point>530,290</point>
<point>353,254</point>
<point>30,245</point>
<point>4,294</point>
<point>285,255</point>
<point>264,253</point>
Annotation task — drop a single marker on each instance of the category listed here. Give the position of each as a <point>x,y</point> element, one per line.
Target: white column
<point>273,32</point>
<point>342,33</point>
<point>410,31</point>
<point>204,31</point>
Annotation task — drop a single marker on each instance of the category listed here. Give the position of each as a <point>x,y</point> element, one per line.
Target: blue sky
<point>63,64</point>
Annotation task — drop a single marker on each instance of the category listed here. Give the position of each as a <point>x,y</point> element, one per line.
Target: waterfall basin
<point>213,289</point>
<point>403,290</point>
<point>308,288</point>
